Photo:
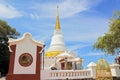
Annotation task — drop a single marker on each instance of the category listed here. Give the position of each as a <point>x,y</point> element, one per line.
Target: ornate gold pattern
<point>103,71</point>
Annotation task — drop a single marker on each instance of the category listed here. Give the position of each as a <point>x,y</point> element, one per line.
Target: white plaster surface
<point>25,46</point>
<point>57,42</point>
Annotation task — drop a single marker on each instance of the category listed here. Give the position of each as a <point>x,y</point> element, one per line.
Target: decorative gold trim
<point>57,26</point>
<point>52,53</point>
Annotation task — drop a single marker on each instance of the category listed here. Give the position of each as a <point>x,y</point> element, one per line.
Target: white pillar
<point>65,63</point>
<point>59,65</point>
<point>78,65</point>
<point>93,71</point>
<point>92,67</point>
<point>73,65</point>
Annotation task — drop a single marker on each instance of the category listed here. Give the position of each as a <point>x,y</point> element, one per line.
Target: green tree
<point>6,32</point>
<point>110,42</point>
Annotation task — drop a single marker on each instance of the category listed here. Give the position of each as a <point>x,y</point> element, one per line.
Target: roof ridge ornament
<point>57,26</point>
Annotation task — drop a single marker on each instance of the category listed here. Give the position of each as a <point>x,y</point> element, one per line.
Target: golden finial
<point>57,26</point>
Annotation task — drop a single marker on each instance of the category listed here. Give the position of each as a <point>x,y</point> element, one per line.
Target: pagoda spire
<point>57,25</point>
<point>57,45</point>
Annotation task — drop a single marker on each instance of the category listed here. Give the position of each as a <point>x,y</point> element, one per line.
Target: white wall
<point>25,46</point>
<point>115,69</point>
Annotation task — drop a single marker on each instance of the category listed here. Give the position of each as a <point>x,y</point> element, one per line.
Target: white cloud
<point>83,37</point>
<point>92,54</point>
<point>67,8</point>
<point>72,7</point>
<point>8,11</point>
<point>95,54</point>
<point>78,46</point>
<point>82,30</point>
<point>34,16</point>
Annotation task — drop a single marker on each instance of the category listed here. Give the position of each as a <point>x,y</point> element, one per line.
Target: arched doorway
<point>103,71</point>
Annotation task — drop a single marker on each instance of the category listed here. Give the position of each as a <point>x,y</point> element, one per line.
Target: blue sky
<point>82,22</point>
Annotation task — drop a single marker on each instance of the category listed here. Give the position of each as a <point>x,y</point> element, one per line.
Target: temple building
<point>29,61</point>
<point>61,63</point>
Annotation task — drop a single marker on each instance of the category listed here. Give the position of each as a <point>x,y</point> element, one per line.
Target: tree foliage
<point>110,42</point>
<point>6,32</point>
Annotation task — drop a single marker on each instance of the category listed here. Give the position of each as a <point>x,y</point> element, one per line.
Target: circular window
<point>25,59</point>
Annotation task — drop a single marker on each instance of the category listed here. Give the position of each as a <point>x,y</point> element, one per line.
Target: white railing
<point>64,74</point>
